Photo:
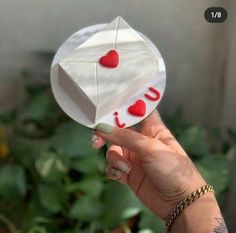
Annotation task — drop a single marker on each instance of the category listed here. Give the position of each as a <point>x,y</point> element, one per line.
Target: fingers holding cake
<point>116,174</point>
<point>97,141</point>
<point>117,159</point>
<point>146,148</point>
<point>154,127</point>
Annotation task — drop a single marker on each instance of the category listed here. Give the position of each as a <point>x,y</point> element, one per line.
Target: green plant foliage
<point>86,209</point>
<point>89,164</point>
<point>51,166</point>
<point>39,108</point>
<point>52,197</point>
<point>72,139</point>
<point>26,150</point>
<point>12,181</point>
<point>46,55</point>
<point>216,170</point>
<point>91,186</point>
<point>53,181</point>
<point>126,205</point>
<point>193,139</point>
<point>149,223</point>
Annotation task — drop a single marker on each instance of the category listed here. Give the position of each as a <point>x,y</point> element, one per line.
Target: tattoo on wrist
<point>221,228</point>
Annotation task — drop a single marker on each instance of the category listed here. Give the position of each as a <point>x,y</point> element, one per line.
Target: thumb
<point>130,139</point>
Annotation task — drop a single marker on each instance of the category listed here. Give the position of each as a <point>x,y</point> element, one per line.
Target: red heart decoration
<point>138,108</point>
<point>111,59</point>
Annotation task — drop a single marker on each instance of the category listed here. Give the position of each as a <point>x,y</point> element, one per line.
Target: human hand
<point>151,162</point>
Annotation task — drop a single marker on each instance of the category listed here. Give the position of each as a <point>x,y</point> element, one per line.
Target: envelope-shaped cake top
<point>107,69</point>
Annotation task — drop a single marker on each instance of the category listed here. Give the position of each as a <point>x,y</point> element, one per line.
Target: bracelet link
<point>185,203</point>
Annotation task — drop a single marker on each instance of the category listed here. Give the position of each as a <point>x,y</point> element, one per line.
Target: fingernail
<point>113,173</point>
<point>123,166</point>
<point>104,128</point>
<point>94,140</point>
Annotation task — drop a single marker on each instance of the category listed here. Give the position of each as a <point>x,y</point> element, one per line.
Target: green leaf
<point>150,223</point>
<point>12,181</point>
<point>216,172</point>
<point>84,230</point>
<point>48,55</point>
<point>52,166</point>
<point>34,213</point>
<point>40,106</point>
<point>146,231</point>
<point>194,141</point>
<point>90,186</point>
<point>73,139</point>
<point>7,117</point>
<point>38,229</point>
<point>26,150</point>
<point>119,203</point>
<point>86,209</point>
<point>90,164</point>
<point>176,123</point>
<point>53,198</point>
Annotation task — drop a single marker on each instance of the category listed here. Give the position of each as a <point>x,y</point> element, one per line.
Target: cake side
<point>77,94</point>
<point>83,76</point>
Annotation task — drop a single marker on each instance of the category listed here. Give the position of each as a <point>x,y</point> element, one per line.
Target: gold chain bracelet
<point>185,203</point>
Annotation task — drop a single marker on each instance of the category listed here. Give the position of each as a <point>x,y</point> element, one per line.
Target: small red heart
<point>138,108</point>
<point>111,59</point>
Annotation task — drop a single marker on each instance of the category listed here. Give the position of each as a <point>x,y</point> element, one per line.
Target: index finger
<point>151,125</point>
<point>139,143</point>
<point>154,127</point>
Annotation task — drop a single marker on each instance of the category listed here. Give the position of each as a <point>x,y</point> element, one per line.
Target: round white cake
<point>112,75</point>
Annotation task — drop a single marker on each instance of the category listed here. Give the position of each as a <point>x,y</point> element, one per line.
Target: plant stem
<point>126,228</point>
<point>9,224</point>
<point>92,228</point>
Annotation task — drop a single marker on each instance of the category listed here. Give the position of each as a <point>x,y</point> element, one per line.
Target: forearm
<point>202,216</point>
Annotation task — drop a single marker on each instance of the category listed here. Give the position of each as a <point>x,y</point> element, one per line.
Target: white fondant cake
<point>100,90</point>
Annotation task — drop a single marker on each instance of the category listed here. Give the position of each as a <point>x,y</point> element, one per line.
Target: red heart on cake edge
<point>138,108</point>
<point>110,60</point>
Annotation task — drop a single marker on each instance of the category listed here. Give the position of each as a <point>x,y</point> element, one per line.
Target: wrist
<point>199,216</point>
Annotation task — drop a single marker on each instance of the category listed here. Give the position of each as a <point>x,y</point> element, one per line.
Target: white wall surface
<point>194,50</point>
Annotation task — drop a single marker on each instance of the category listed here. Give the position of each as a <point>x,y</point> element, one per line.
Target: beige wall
<point>193,49</point>
<point>229,110</point>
